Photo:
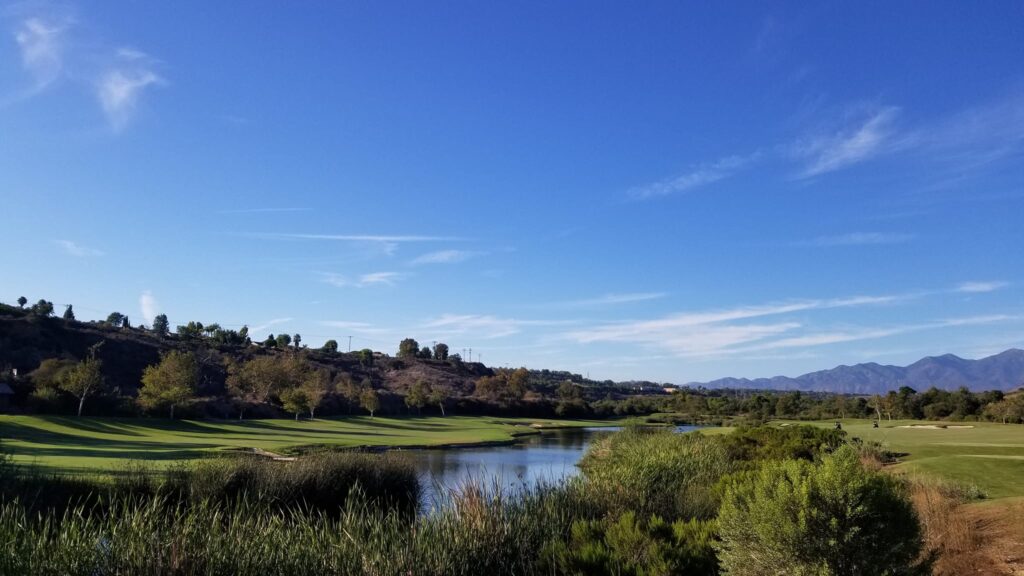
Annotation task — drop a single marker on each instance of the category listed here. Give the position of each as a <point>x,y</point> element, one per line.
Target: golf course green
<point>97,445</point>
<point>984,454</point>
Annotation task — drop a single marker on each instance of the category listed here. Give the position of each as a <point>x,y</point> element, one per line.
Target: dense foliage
<point>791,517</point>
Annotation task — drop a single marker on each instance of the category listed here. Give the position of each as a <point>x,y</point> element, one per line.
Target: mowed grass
<point>987,455</point>
<point>88,445</point>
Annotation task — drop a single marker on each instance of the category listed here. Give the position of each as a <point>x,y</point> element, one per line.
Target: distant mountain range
<point>1003,371</point>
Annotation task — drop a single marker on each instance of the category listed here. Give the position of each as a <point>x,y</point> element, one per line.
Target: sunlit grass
<point>68,444</point>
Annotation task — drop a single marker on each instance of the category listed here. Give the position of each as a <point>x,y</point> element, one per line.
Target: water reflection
<point>546,457</point>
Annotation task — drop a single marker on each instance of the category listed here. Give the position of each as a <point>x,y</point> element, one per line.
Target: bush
<point>655,472</point>
<point>629,547</point>
<point>833,518</point>
<point>801,442</point>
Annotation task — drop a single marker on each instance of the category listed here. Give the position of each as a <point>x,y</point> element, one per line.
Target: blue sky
<point>673,191</point>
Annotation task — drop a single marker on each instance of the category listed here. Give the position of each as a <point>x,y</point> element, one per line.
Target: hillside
<point>1003,371</point>
<point>27,340</point>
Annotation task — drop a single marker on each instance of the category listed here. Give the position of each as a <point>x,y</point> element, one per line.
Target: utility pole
<point>470,354</point>
<point>349,343</point>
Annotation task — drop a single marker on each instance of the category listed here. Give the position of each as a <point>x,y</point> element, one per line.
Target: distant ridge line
<point>1003,371</point>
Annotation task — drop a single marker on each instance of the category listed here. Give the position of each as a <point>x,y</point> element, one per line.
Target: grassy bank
<point>987,455</point>
<point>84,445</point>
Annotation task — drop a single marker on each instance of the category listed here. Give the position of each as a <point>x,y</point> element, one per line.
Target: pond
<point>549,456</point>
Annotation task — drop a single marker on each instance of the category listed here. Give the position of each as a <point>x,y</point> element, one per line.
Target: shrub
<point>776,443</point>
<point>833,518</point>
<point>629,547</point>
<point>655,472</point>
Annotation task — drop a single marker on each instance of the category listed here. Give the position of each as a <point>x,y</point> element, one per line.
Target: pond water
<point>549,456</point>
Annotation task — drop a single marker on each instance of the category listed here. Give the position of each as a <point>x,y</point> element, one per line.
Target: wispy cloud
<point>122,85</point>
<point>149,306</point>
<point>608,300</point>
<point>363,280</point>
<point>263,327</point>
<point>980,287</point>
<point>979,135</point>
<point>838,337</point>
<point>481,326</point>
<point>714,332</point>
<point>52,48</point>
<point>851,144</point>
<point>444,257</point>
<point>698,176</point>
<point>41,43</point>
<point>861,239</point>
<point>75,249</point>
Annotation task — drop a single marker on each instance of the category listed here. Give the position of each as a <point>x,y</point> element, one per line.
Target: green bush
<point>655,472</point>
<point>628,547</point>
<point>801,442</point>
<point>834,518</point>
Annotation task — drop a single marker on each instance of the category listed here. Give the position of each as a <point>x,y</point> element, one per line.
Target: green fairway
<point>988,455</point>
<point>68,444</point>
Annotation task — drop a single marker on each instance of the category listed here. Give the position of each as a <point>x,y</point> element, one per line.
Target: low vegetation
<point>647,502</point>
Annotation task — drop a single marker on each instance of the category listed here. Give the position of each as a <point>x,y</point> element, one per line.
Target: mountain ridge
<point>1003,371</point>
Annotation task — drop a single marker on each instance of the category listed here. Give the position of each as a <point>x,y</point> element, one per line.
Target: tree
<point>295,401</point>
<point>488,387</point>
<point>270,342</point>
<point>169,383</point>
<point>408,348</point>
<point>416,397</point>
<point>297,341</point>
<point>424,353</point>
<point>569,391</point>
<point>331,347</point>
<point>69,314</point>
<point>440,351</point>
<point>115,319</point>
<point>50,372</point>
<point>22,301</point>
<point>349,390</point>
<point>369,401</point>
<point>211,329</point>
<point>283,340</point>
<point>191,330</point>
<point>160,325</point>
<point>877,404</point>
<point>82,380</point>
<point>42,308</point>
<point>366,357</point>
<point>439,395</point>
<point>836,517</point>
<point>518,383</point>
<point>316,387</point>
<point>255,381</point>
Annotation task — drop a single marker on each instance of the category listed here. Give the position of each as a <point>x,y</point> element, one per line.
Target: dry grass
<point>969,538</point>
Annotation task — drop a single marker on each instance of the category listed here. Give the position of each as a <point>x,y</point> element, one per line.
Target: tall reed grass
<point>482,530</point>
